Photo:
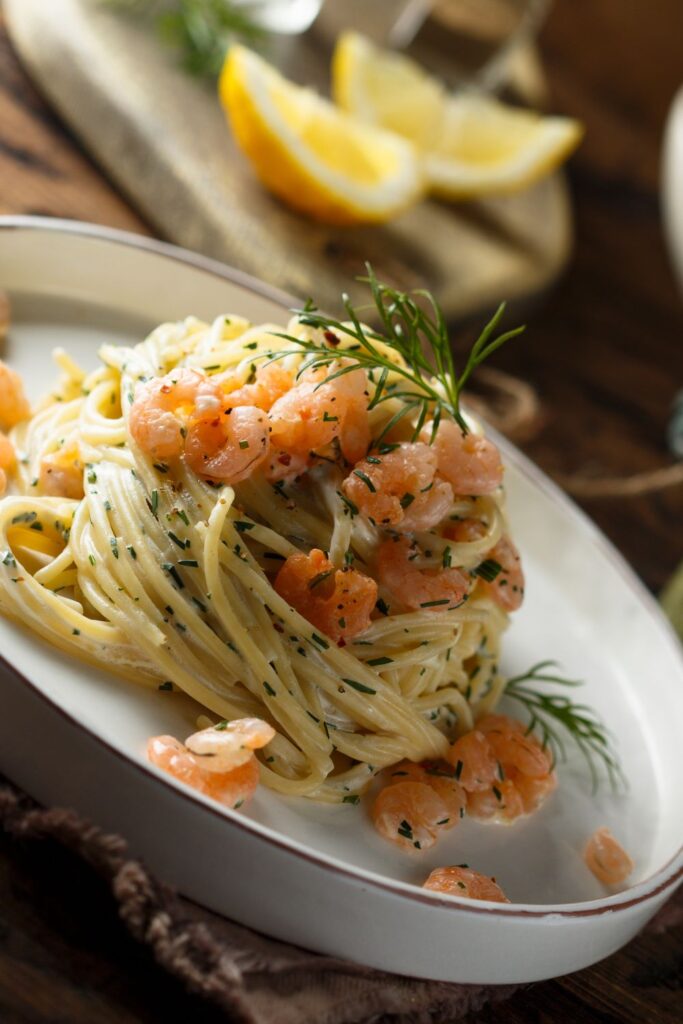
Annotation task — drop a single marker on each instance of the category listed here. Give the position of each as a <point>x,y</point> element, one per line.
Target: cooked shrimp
<point>229,445</point>
<point>469,462</point>
<point>282,465</point>
<point>507,589</point>
<point>473,760</point>
<point>515,750</point>
<point>218,761</point>
<point>431,589</point>
<point>316,411</point>
<point>186,412</point>
<point>233,788</point>
<point>505,772</point>
<point>441,779</point>
<point>339,602</point>
<point>272,382</point>
<point>229,744</point>
<point>399,489</point>
<point>7,460</point>
<point>462,881</point>
<point>607,859</point>
<point>61,473</point>
<point>8,456</point>
<point>14,406</point>
<point>410,814</point>
<point>501,802</point>
<point>507,586</point>
<point>162,405</point>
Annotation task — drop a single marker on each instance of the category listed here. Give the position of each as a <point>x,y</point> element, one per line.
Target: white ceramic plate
<point>320,876</point>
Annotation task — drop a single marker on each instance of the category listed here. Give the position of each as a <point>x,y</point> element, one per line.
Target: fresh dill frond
<point>550,711</point>
<point>417,332</point>
<point>199,30</point>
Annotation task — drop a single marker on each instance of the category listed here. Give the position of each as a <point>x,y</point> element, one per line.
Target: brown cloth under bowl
<point>254,979</point>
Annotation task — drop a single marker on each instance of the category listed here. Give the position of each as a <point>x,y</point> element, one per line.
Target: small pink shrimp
<point>399,489</point>
<point>441,779</point>
<point>514,749</point>
<point>507,588</point>
<point>315,412</point>
<point>61,473</point>
<point>339,602</point>
<point>474,762</point>
<point>463,881</point>
<point>469,462</point>
<point>431,589</point>
<point>534,792</point>
<point>14,406</point>
<point>185,412</point>
<point>228,446</point>
<point>287,466</point>
<point>505,772</point>
<point>501,802</point>
<point>409,814</point>
<point>221,763</point>
<point>8,459</point>
<point>272,382</point>
<point>162,406</point>
<point>607,859</point>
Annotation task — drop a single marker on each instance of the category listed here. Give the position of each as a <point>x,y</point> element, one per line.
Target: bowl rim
<point>664,878</point>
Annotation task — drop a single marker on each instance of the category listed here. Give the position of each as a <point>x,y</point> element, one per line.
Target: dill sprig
<point>548,711</point>
<point>416,331</point>
<point>199,30</point>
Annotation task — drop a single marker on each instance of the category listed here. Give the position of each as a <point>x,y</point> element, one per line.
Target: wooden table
<point>605,352</point>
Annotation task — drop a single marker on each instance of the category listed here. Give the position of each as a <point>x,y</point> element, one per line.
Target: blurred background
<point>109,113</point>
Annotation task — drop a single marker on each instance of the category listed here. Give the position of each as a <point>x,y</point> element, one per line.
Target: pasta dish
<point>287,523</point>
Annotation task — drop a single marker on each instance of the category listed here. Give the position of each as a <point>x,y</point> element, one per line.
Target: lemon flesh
<point>387,89</point>
<point>488,147</point>
<point>313,156</point>
<point>471,145</point>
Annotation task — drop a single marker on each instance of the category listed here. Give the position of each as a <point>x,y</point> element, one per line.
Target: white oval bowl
<point>315,875</point>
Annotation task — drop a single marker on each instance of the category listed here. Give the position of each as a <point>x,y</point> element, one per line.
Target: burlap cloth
<point>255,980</point>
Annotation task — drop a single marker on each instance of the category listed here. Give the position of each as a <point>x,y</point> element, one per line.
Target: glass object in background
<point>473,41</point>
<point>288,17</point>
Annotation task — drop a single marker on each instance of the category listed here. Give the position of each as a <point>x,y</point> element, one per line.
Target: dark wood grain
<point>605,352</point>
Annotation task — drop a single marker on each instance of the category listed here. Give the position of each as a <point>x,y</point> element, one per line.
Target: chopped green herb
<point>182,544</point>
<point>361,687</point>
<point>191,563</point>
<point>168,685</point>
<point>374,662</point>
<point>405,830</point>
<point>114,544</point>
<point>173,572</point>
<point>321,576</point>
<point>350,505</point>
<point>407,500</point>
<point>269,690</point>
<point>366,480</point>
<point>488,570</point>
<point>353,798</point>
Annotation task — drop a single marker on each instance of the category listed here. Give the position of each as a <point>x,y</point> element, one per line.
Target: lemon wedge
<point>316,158</point>
<point>490,148</point>
<point>471,145</point>
<point>387,89</point>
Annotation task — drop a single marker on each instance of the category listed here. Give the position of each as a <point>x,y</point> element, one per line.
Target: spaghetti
<point>169,576</point>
